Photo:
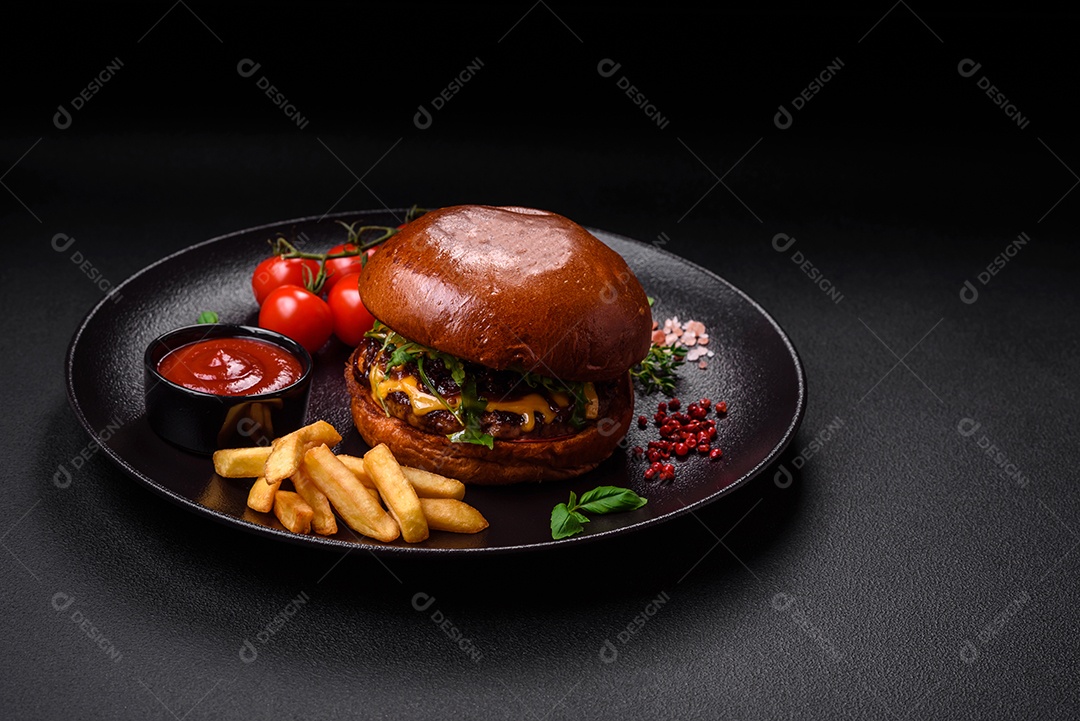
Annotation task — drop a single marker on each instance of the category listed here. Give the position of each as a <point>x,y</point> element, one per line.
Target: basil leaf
<point>610,499</point>
<point>566,523</point>
<point>207,316</point>
<point>568,519</point>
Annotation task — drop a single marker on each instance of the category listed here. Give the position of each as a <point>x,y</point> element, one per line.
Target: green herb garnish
<point>658,370</point>
<point>470,407</point>
<point>468,414</point>
<point>575,390</point>
<point>473,435</point>
<point>468,410</point>
<point>207,316</point>
<point>568,519</point>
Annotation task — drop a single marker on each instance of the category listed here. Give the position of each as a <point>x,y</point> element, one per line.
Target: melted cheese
<point>527,407</point>
<point>592,407</point>
<point>421,401</point>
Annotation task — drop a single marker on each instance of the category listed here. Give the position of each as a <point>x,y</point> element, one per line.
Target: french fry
<point>374,495</point>
<point>293,512</point>
<point>396,491</point>
<point>318,433</point>
<point>241,462</point>
<point>323,521</point>
<point>287,452</point>
<point>450,514</point>
<point>356,465</point>
<point>348,496</point>
<point>426,483</point>
<point>285,457</point>
<point>261,496</point>
<point>432,485</point>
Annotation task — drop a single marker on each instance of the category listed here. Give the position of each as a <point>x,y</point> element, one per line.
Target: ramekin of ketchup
<point>231,366</point>
<point>225,386</point>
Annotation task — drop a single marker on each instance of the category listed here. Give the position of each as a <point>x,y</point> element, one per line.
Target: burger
<point>502,346</point>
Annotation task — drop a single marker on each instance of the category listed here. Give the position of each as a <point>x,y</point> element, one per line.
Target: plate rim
<point>326,543</point>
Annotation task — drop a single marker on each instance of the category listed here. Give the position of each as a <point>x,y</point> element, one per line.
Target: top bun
<point>511,288</point>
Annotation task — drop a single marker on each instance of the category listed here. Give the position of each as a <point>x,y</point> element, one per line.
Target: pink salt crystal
<point>658,337</point>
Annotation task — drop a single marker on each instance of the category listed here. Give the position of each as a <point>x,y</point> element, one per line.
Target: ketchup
<point>231,367</point>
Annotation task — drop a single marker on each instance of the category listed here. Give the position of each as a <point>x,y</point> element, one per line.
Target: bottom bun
<point>509,461</point>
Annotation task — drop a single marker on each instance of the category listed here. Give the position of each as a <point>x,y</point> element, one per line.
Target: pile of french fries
<point>374,495</point>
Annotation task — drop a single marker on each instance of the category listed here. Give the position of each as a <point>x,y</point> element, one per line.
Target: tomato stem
<point>315,282</point>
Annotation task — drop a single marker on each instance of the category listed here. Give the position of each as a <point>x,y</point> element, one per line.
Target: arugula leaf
<point>402,355</point>
<point>455,366</point>
<point>429,385</point>
<point>468,414</point>
<point>378,330</point>
<point>567,518</point>
<point>472,434</point>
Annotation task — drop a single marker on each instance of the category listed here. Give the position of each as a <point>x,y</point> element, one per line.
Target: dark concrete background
<point>906,572</point>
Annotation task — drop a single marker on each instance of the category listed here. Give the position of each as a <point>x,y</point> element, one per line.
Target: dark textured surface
<point>903,573</point>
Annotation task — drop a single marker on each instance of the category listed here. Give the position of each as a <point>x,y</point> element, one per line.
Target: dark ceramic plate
<point>755,369</point>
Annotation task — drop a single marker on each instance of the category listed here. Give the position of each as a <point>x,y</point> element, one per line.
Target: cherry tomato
<point>299,314</point>
<point>338,268</point>
<point>275,271</point>
<point>351,318</point>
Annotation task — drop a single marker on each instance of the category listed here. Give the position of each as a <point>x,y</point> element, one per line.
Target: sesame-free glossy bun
<point>511,288</point>
<point>508,461</point>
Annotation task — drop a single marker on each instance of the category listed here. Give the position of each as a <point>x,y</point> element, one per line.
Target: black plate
<point>755,369</point>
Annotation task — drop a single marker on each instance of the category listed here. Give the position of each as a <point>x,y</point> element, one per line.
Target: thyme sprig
<point>658,370</point>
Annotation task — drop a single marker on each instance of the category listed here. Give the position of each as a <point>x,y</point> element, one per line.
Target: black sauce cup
<point>204,422</point>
